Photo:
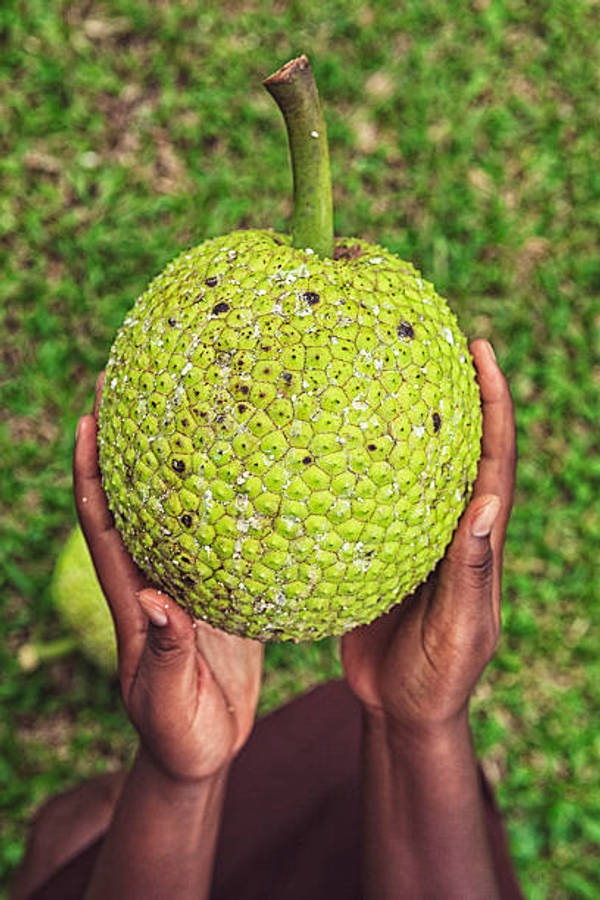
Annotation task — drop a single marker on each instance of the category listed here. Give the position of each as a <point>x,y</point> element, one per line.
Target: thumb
<point>467,574</point>
<point>168,667</point>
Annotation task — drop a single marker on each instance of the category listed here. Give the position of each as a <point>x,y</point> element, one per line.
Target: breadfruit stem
<point>31,655</point>
<point>294,90</point>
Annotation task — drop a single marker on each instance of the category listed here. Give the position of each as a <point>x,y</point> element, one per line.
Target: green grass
<point>463,136</point>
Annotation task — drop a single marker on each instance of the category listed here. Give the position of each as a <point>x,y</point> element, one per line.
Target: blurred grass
<point>464,137</point>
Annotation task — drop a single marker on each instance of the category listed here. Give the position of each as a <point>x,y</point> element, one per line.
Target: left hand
<point>418,664</point>
<point>190,690</point>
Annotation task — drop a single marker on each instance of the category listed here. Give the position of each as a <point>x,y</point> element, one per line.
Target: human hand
<point>418,664</point>
<point>190,690</point>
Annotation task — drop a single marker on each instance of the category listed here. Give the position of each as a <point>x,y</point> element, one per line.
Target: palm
<point>211,712</point>
<point>397,649</point>
<point>415,661</point>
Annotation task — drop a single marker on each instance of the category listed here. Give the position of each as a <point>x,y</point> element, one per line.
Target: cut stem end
<point>294,89</point>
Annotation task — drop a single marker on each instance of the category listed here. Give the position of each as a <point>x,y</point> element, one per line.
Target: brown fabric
<point>291,816</point>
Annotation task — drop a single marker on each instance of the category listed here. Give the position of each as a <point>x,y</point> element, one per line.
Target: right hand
<point>190,690</point>
<point>418,665</point>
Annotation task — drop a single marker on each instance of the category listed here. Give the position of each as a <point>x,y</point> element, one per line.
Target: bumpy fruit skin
<point>287,442</point>
<point>80,603</point>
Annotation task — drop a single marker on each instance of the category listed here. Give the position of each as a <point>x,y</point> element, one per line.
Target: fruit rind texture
<point>287,442</point>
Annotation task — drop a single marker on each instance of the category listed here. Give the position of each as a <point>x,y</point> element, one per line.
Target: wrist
<point>424,818</point>
<point>172,784</point>
<point>160,819</point>
<point>417,738</point>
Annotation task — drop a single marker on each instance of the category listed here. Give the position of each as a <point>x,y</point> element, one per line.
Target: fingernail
<point>491,351</point>
<point>154,610</point>
<point>483,522</point>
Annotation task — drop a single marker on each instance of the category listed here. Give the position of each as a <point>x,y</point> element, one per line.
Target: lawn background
<point>462,136</point>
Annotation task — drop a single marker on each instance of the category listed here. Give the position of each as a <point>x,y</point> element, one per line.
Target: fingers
<point>498,460</point>
<point>118,575</point>
<point>166,682</point>
<point>464,600</point>
<point>497,465</point>
<point>468,594</point>
<point>90,500</point>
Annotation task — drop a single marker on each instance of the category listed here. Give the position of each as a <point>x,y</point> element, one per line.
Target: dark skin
<point>191,692</point>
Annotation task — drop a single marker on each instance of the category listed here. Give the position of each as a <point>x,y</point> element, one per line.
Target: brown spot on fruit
<point>437,422</point>
<point>405,330</point>
<point>311,298</point>
<point>186,520</point>
<point>342,251</point>
<point>178,465</point>
<point>172,322</point>
<point>371,447</point>
<point>219,308</point>
<point>307,460</point>
<point>211,281</point>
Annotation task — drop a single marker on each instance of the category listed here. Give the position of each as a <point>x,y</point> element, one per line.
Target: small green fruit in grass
<point>289,426</point>
<point>81,608</point>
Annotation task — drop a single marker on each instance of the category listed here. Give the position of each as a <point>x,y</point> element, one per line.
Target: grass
<point>462,136</point>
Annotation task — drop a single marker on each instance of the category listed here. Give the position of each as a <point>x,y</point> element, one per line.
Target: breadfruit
<point>287,438</point>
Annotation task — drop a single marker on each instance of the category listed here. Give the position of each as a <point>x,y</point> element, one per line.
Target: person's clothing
<point>291,819</point>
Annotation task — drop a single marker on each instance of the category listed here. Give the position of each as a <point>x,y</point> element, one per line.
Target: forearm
<point>424,819</point>
<point>161,842</point>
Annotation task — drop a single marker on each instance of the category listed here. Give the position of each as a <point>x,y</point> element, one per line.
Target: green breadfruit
<point>80,603</point>
<point>288,437</point>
